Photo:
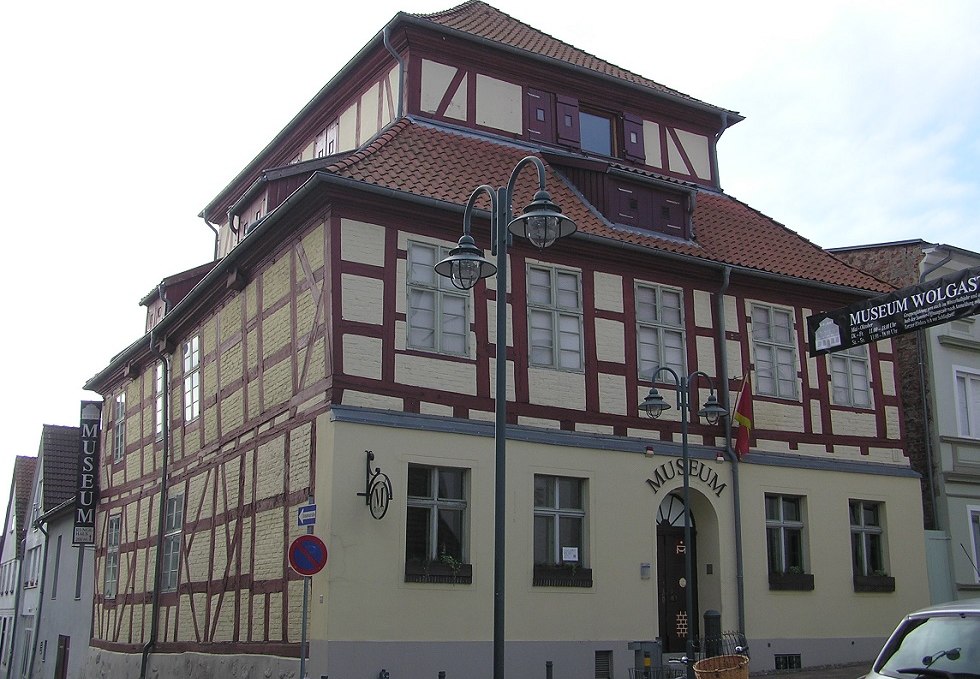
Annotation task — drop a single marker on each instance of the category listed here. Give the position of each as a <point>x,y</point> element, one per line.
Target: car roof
<point>970,606</point>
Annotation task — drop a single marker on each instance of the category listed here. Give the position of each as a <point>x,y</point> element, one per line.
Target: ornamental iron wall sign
<point>377,489</point>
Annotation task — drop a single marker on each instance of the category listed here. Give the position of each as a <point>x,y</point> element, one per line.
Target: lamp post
<point>654,405</point>
<point>541,223</point>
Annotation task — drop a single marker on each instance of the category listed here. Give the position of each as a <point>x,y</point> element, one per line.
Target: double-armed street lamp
<point>542,224</point>
<point>654,405</point>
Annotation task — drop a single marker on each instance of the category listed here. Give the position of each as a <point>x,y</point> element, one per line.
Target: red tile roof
<point>446,164</point>
<point>482,20</point>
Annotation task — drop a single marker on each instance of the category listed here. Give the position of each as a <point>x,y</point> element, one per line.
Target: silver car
<point>939,641</point>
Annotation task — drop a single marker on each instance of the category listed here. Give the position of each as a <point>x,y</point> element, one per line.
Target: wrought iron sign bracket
<point>377,488</point>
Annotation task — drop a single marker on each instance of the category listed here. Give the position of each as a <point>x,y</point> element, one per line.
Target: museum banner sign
<point>86,486</point>
<point>919,306</point>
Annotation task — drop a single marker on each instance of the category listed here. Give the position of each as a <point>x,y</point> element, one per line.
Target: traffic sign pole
<point>304,643</point>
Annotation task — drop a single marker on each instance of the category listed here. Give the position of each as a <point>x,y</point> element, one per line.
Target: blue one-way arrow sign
<point>306,515</point>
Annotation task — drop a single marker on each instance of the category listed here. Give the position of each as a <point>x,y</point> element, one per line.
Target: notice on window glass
<point>569,554</point>
<point>913,308</point>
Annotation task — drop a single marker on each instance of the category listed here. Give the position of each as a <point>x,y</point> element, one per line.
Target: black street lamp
<point>654,405</point>
<point>541,223</point>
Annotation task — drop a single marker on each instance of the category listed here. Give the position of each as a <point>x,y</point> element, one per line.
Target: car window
<point>947,643</point>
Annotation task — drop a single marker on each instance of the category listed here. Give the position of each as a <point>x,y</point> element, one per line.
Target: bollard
<point>549,669</point>
<point>712,634</point>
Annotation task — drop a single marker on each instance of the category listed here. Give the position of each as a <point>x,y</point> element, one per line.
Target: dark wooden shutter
<point>633,138</point>
<point>539,111</point>
<point>567,121</point>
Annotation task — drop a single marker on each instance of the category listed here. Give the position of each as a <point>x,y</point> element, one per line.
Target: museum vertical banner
<point>87,480</point>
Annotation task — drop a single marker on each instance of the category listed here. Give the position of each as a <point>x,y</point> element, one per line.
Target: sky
<point>120,121</point>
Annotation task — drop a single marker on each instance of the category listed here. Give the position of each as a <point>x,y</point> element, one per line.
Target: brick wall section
<point>899,265</point>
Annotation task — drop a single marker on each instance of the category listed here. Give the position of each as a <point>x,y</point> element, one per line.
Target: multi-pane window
<point>119,427</point>
<point>784,533</point>
<point>867,553</point>
<point>849,377</point>
<point>437,316</point>
<point>192,378</point>
<point>559,520</point>
<point>33,566</point>
<point>555,318</point>
<point>968,403</point>
<point>659,330</point>
<point>111,574</point>
<point>436,514</point>
<point>775,351</point>
<point>158,395</point>
<point>171,542</point>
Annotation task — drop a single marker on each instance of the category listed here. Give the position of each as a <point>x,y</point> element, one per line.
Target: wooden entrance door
<point>671,582</point>
<point>61,662</point>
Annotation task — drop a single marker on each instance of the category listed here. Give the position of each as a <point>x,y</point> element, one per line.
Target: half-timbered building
<point>322,353</point>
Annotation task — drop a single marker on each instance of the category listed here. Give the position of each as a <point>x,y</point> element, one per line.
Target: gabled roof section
<point>20,498</point>
<point>440,163</point>
<point>59,457</point>
<point>479,19</point>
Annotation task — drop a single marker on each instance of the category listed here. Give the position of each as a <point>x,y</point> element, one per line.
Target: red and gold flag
<point>743,416</point>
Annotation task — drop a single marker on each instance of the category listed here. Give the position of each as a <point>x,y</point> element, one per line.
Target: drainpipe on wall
<point>714,156</point>
<point>921,350</point>
<point>40,599</point>
<point>729,453</point>
<point>386,34</point>
<point>161,523</point>
<point>204,216</point>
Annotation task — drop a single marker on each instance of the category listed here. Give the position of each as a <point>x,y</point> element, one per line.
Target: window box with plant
<point>793,579</point>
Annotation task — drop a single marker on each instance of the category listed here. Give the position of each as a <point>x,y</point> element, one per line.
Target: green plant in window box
<point>451,561</point>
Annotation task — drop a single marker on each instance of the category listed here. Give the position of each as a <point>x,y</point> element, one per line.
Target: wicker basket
<point>722,667</point>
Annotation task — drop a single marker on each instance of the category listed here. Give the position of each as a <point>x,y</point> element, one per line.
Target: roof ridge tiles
<point>475,18</point>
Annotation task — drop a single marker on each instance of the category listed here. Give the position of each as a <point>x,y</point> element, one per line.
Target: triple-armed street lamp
<point>542,223</point>
<point>654,405</point>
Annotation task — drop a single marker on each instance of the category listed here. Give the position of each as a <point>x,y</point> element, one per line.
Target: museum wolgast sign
<point>919,306</point>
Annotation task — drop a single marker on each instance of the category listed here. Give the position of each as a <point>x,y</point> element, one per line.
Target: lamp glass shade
<point>542,222</point>
<point>654,404</point>
<point>465,264</point>
<point>712,410</point>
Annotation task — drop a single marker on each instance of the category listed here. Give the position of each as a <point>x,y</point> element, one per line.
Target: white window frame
<point>192,378</point>
<point>556,342</point>
<point>554,515</point>
<point>848,387</point>
<point>158,398</point>
<point>172,537</point>
<point>865,532</point>
<point>785,527</point>
<point>973,524</point>
<point>966,385</point>
<point>653,327</point>
<point>422,282</point>
<point>435,504</point>
<point>119,427</point>
<point>110,575</point>
<point>33,566</point>
<point>771,354</point>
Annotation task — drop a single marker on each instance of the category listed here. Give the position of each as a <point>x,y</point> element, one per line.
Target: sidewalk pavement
<point>848,671</point>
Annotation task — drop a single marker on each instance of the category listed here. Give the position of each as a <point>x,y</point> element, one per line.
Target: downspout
<point>386,34</point>
<point>729,453</point>
<point>161,522</point>
<point>40,599</point>
<point>920,348</point>
<point>714,156</point>
<point>204,216</point>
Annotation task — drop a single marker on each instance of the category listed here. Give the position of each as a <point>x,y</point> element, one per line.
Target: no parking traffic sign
<point>307,555</point>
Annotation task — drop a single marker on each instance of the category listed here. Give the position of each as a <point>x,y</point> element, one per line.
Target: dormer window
<point>596,132</point>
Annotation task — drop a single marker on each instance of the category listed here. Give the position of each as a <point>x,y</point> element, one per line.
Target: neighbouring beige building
<point>321,356</point>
